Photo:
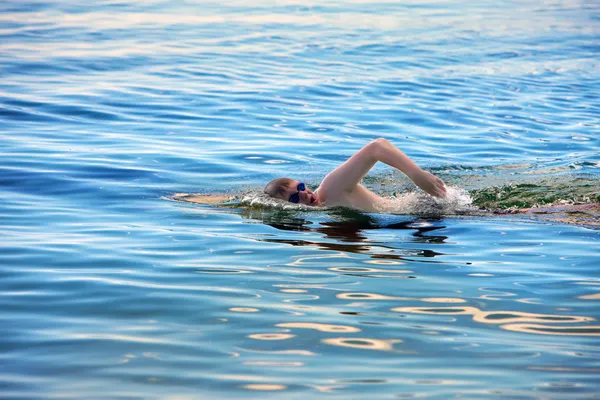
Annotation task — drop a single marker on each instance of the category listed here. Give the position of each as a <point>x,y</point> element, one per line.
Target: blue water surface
<point>109,290</point>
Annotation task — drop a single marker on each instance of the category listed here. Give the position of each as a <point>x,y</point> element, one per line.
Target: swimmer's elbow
<point>381,142</point>
<point>377,147</point>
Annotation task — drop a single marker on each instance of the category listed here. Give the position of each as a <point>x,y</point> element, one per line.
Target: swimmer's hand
<point>429,183</point>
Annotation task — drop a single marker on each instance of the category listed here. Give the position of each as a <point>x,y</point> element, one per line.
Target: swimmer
<point>341,187</point>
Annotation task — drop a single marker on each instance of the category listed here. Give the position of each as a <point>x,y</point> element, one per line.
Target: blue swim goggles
<point>296,196</point>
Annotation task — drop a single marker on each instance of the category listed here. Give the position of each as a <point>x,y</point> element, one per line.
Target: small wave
<point>538,193</point>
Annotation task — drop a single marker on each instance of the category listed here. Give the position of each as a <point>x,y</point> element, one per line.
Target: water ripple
<point>108,290</point>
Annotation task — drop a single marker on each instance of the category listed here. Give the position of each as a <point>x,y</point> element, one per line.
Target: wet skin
<point>341,187</point>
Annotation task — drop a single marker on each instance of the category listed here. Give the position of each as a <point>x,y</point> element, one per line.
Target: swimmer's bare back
<point>212,199</point>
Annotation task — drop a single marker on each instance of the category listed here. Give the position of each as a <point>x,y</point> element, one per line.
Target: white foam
<point>457,201</point>
<point>261,200</point>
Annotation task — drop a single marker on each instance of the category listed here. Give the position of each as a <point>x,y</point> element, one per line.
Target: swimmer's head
<point>293,191</point>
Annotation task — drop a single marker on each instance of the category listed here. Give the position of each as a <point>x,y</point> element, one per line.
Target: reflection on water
<point>369,271</point>
<point>271,336</point>
<point>394,321</point>
<point>347,234</point>
<point>264,386</point>
<point>244,309</point>
<point>363,343</point>
<point>351,233</point>
<point>368,296</point>
<point>513,320</point>
<point>554,330</point>
<point>292,352</point>
<point>293,291</point>
<point>319,327</point>
<point>108,291</point>
<point>323,304</point>
<point>275,363</point>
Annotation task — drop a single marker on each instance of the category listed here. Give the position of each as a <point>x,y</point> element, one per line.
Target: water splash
<point>261,200</point>
<point>457,201</point>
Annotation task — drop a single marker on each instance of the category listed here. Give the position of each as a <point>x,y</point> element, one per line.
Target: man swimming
<point>341,187</point>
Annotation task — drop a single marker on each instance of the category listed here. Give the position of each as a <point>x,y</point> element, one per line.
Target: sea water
<point>111,290</point>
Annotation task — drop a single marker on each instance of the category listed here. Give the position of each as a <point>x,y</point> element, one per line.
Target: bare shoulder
<point>324,192</point>
<point>360,198</point>
<point>201,198</point>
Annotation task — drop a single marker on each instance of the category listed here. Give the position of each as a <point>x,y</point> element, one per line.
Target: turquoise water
<point>109,290</point>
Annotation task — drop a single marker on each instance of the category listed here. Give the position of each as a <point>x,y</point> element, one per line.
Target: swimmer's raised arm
<point>347,176</point>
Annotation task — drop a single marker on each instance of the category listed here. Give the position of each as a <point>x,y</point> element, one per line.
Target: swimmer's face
<point>300,192</point>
